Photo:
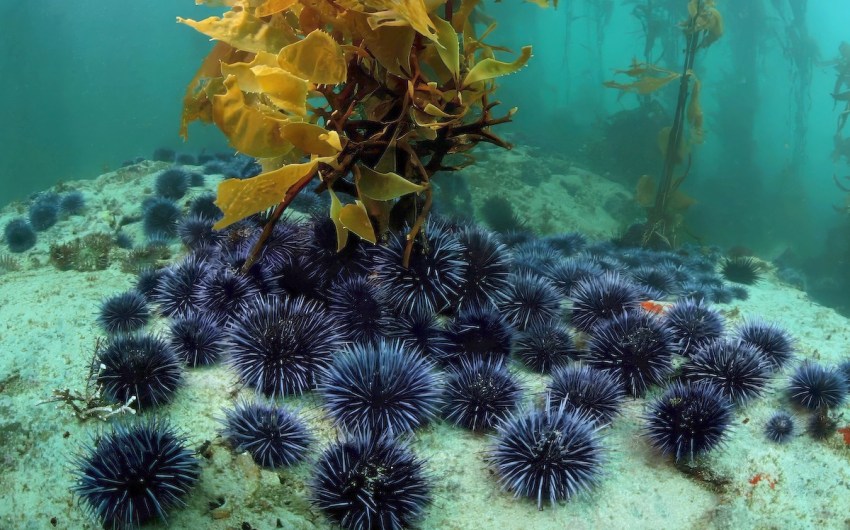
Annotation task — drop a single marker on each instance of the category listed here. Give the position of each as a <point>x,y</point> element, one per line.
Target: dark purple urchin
<point>173,183</point>
<point>371,482</point>
<point>737,368</point>
<point>274,436</point>
<point>196,232</point>
<point>72,203</point>
<point>278,346</point>
<point>779,428</point>
<point>44,211</point>
<point>742,269</point>
<point>547,455</point>
<point>530,300</point>
<point>320,252</point>
<point>259,274</point>
<point>19,235</point>
<point>601,298</point>
<point>300,279</point>
<point>636,347</point>
<point>356,307</point>
<point>197,339</point>
<point>160,217</point>
<point>283,246</point>
<point>693,324</point>
<point>596,393</point>
<point>813,387</point>
<point>488,264</point>
<point>140,366</point>
<point>544,347</point>
<point>225,293</point>
<point>204,206</point>
<point>534,256</point>
<point>420,332</point>
<point>656,279</point>
<point>124,313</point>
<point>432,280</point>
<point>480,394</point>
<point>380,388</point>
<point>134,474</point>
<point>478,332</point>
<point>566,273</point>
<point>568,244</point>
<point>773,341</point>
<point>688,420</point>
<point>147,282</point>
<point>178,290</point>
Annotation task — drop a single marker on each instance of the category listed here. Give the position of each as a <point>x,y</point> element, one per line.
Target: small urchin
<point>44,211</point>
<point>741,269</point>
<point>19,235</point>
<point>371,482</point>
<point>356,306</point>
<point>160,217</point>
<point>124,313</point>
<point>594,392</point>
<point>274,436</point>
<point>381,388</point>
<point>530,300</point>
<point>693,324</point>
<point>780,427</point>
<point>225,293</point>
<point>488,264</point>
<point>140,366</point>
<point>813,387</point>
<point>197,339</point>
<point>601,298</point>
<point>178,289</point>
<point>547,455</point>
<point>773,341</point>
<point>688,420</point>
<point>636,347</point>
<point>544,347</point>
<point>420,332</point>
<point>736,367</point>
<point>480,394</point>
<point>135,473</point>
<point>432,279</point>
<point>278,346</point>
<point>478,331</point>
<point>173,183</point>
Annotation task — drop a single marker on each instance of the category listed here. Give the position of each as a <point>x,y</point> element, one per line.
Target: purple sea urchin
<point>547,455</point>
<point>124,313</point>
<point>278,346</point>
<point>544,347</point>
<point>772,340</point>
<point>355,305</point>
<point>688,420</point>
<point>779,428</point>
<point>596,393</point>
<point>634,346</point>
<point>380,388</point>
<point>812,386</point>
<point>488,264</point>
<point>19,235</point>
<point>737,368</point>
<point>371,482</point>
<point>480,394</point>
<point>601,298</point>
<point>530,300</point>
<point>693,324</point>
<point>139,365</point>
<point>274,436</point>
<point>478,332</point>
<point>135,474</point>
<point>197,339</point>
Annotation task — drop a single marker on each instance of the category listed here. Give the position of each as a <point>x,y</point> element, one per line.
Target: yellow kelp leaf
<point>447,45</point>
<point>317,58</point>
<point>270,7</point>
<point>384,186</point>
<point>645,191</point>
<point>695,115</point>
<point>249,130</point>
<point>241,30</point>
<point>239,198</point>
<point>644,85</point>
<point>312,139</point>
<point>341,231</point>
<point>411,13</point>
<point>281,88</point>
<point>196,105</point>
<point>490,68</point>
<point>680,201</point>
<point>389,44</point>
<point>355,218</point>
<point>462,14</point>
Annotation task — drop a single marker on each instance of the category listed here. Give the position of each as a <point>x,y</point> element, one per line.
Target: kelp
<point>370,96</point>
<point>664,202</point>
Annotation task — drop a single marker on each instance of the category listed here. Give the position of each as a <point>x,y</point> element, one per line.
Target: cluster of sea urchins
<point>389,348</point>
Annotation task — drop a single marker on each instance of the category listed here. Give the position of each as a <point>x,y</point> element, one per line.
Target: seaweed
<point>396,93</point>
<point>85,254</point>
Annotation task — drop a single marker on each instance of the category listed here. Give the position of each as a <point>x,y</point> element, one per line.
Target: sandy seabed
<point>48,334</point>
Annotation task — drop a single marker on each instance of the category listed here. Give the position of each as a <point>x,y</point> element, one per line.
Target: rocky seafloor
<point>49,334</point>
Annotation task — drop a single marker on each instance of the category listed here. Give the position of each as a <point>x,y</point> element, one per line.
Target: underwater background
<point>91,108</point>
